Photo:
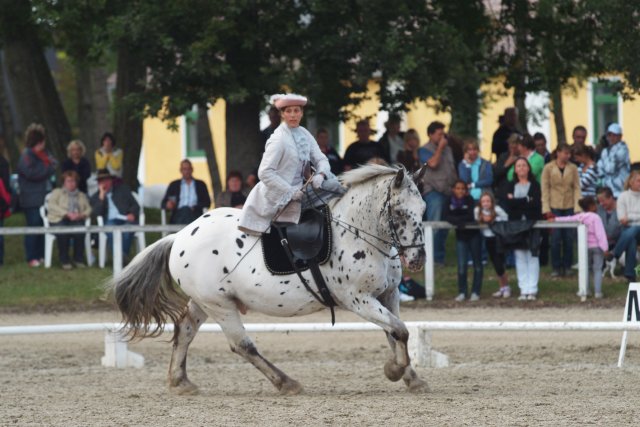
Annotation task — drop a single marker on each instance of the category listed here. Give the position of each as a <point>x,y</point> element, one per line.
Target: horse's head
<point>404,208</point>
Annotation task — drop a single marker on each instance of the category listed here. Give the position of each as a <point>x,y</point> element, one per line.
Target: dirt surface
<point>495,378</point>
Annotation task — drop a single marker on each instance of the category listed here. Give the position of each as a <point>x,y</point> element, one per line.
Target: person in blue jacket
<point>475,171</point>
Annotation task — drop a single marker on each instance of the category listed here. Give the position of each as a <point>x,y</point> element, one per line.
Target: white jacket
<point>280,175</point>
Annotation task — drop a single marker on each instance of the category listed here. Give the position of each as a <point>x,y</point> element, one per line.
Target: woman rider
<point>284,168</point>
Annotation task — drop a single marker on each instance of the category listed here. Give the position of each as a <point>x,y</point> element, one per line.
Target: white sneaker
<point>474,297</point>
<point>406,298</point>
<point>506,292</point>
<point>598,295</point>
<point>498,293</point>
<point>522,297</point>
<point>460,297</point>
<point>531,297</point>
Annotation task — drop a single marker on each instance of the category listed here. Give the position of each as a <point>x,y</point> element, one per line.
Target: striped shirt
<point>588,180</point>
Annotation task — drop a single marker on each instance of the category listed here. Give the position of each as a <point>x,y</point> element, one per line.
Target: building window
<point>605,107</point>
<point>194,149</point>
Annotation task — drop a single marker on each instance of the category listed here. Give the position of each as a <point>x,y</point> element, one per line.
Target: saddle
<point>294,248</point>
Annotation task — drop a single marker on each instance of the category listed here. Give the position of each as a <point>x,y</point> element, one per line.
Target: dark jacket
<point>516,235</point>
<point>122,198</point>
<point>34,178</point>
<point>530,207</point>
<point>460,217</point>
<point>83,168</point>
<point>359,153</point>
<point>385,145</point>
<point>204,201</point>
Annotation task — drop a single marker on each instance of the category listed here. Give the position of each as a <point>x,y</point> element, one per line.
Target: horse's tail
<point>145,293</point>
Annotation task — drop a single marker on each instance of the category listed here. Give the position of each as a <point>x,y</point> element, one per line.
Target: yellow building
<point>591,105</point>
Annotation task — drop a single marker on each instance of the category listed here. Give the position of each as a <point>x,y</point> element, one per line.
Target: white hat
<point>614,128</point>
<point>282,100</point>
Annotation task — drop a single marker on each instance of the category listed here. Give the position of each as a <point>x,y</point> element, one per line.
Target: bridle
<point>395,237</point>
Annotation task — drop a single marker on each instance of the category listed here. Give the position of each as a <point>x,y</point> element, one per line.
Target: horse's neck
<point>363,205</point>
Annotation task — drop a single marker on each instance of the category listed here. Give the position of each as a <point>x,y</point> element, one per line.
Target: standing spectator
<point>274,122</point>
<point>35,169</point>
<point>500,172</point>
<point>487,212</point>
<point>560,196</point>
<point>68,206</point>
<point>596,239</point>
<point>459,211</point>
<point>579,136</point>
<point>527,149</point>
<point>363,150</point>
<point>76,161</point>
<point>233,197</point>
<point>609,215</point>
<point>115,203</point>
<point>540,141</point>
<point>524,204</point>
<point>108,157</point>
<point>322,136</point>
<point>392,141</point>
<point>614,164</point>
<point>475,171</point>
<point>186,198</point>
<point>587,171</point>
<point>628,207</point>
<point>5,200</point>
<point>508,126</point>
<point>408,157</point>
<point>437,182</point>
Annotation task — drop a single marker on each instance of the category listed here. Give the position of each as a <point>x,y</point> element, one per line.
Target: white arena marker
<point>631,315</point>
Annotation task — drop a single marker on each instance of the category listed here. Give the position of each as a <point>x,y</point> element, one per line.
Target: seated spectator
<point>609,215</point>
<point>76,161</point>
<point>584,155</point>
<point>540,141</point>
<point>487,212</point>
<point>597,243</point>
<point>459,211</point>
<point>628,208</point>
<point>322,136</point>
<point>234,196</point>
<point>251,181</point>
<point>186,198</point>
<point>524,203</point>
<point>108,157</point>
<point>614,163</point>
<point>35,169</point>
<point>503,165</point>
<point>68,206</point>
<point>475,171</point>
<point>560,196</point>
<point>408,157</point>
<point>363,150</point>
<point>392,141</point>
<point>115,203</point>
<point>5,200</point>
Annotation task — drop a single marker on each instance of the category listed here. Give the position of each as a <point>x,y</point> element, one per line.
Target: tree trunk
<point>465,108</point>
<point>244,146</point>
<point>9,134</point>
<point>93,106</point>
<point>35,94</point>
<point>206,140</point>
<point>128,117</point>
<point>558,115</point>
<point>519,95</point>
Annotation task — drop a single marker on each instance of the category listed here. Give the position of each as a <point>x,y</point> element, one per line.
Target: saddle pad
<point>275,258</point>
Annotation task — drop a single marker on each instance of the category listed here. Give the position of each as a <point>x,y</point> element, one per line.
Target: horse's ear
<point>399,178</point>
<point>417,177</point>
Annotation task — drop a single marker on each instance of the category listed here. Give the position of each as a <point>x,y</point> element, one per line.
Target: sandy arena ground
<point>496,378</point>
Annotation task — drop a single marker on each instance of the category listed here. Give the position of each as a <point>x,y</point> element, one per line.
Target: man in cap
<point>614,164</point>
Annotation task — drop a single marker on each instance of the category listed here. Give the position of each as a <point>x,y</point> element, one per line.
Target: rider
<point>285,166</point>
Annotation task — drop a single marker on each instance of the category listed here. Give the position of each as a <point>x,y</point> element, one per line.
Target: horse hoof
<point>393,371</point>
<point>290,388</point>
<point>418,386</point>
<point>186,388</point>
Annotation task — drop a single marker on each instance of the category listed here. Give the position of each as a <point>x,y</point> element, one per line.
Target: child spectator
<point>596,239</point>
<point>459,212</point>
<point>487,212</point>
<point>587,171</point>
<point>474,170</point>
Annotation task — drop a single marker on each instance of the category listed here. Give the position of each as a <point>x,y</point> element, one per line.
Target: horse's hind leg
<point>187,328</point>
<point>241,344</point>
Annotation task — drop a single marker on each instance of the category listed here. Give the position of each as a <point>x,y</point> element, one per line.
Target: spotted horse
<point>211,269</point>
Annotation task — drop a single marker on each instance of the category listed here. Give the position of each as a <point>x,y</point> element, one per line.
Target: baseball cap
<point>614,128</point>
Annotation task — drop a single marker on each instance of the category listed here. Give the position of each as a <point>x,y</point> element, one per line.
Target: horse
<point>376,226</point>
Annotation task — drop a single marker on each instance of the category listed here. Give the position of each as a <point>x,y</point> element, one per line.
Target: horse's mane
<point>366,172</point>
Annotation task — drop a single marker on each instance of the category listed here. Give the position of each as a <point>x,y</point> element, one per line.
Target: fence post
<point>429,266</point>
<point>117,251</point>
<point>583,267</point>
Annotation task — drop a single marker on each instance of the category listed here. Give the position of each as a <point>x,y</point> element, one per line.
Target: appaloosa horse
<point>221,274</point>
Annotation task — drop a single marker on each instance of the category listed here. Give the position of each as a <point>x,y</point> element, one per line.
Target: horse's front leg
<point>187,328</point>
<point>391,300</point>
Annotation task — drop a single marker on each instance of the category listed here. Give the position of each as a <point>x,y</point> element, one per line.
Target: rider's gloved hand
<point>317,181</point>
<point>297,196</point>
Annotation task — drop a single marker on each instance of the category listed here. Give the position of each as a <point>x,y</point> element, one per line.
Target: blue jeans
<point>127,238</point>
<point>562,243</point>
<point>435,204</point>
<point>464,249</point>
<point>628,243</point>
<point>34,243</point>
